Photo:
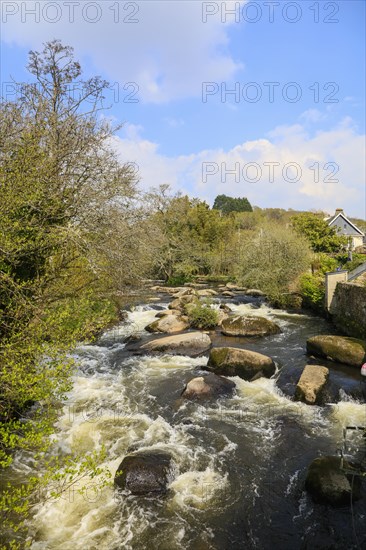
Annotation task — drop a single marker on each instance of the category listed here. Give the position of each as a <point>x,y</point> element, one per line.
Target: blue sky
<point>290,134</point>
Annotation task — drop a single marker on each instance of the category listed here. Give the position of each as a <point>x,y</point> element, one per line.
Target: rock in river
<point>145,472</point>
<point>241,325</point>
<point>208,387</point>
<point>342,349</point>
<point>189,343</point>
<point>311,383</point>
<point>254,292</point>
<point>327,483</point>
<point>169,324</point>
<point>168,312</point>
<point>240,362</point>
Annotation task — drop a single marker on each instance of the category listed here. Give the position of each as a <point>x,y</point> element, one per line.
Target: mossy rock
<point>342,349</point>
<point>241,325</point>
<point>328,483</point>
<point>240,362</point>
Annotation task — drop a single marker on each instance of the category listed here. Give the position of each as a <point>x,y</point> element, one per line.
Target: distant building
<point>345,227</point>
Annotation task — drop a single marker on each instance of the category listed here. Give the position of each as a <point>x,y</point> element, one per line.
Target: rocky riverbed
<point>222,435</point>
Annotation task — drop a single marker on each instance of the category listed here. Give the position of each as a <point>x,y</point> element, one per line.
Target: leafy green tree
<point>321,237</point>
<point>226,204</point>
<point>70,237</point>
<point>63,188</point>
<point>185,235</point>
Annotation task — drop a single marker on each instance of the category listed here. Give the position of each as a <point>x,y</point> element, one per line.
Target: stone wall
<point>348,309</point>
<point>331,280</point>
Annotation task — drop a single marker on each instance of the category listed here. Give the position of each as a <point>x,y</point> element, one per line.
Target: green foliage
<point>62,477</point>
<point>178,280</point>
<point>202,316</point>
<point>312,288</point>
<point>69,239</point>
<point>272,261</point>
<point>220,279</point>
<point>185,235</point>
<point>321,237</point>
<point>226,204</point>
<point>323,263</point>
<point>78,318</point>
<point>357,260</point>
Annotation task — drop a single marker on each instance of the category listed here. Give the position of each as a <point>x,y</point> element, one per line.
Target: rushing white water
<point>134,403</point>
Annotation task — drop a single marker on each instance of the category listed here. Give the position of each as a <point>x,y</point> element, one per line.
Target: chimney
<point>339,211</point>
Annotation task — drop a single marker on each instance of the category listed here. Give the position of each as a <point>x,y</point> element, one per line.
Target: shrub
<point>357,260</point>
<point>202,316</point>
<point>312,288</point>
<point>324,263</point>
<point>178,280</point>
<point>272,261</point>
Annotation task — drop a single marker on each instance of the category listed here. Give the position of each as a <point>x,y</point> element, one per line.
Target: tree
<point>321,237</point>
<point>70,237</point>
<point>68,204</point>
<point>228,204</point>
<point>186,235</point>
<point>273,260</point>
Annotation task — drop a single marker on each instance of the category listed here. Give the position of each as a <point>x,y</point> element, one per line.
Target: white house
<point>345,227</point>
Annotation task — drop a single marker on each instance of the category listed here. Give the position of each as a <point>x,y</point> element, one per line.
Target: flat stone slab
<point>242,325</point>
<point>189,343</point>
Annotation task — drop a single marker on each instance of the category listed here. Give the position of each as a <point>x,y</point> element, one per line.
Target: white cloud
<point>168,52</point>
<point>330,166</point>
<point>312,116</point>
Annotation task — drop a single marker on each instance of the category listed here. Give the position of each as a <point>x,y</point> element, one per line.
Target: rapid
<point>240,461</point>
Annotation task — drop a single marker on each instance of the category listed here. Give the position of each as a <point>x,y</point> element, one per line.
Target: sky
<point>256,99</point>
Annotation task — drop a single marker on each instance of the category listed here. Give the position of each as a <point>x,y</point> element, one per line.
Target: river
<point>241,462</point>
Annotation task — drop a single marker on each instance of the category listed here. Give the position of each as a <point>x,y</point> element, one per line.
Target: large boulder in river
<point>311,384</point>
<point>180,303</point>
<point>342,349</point>
<point>234,286</point>
<point>327,483</point>
<point>168,312</point>
<point>169,324</point>
<point>182,292</point>
<point>145,472</point>
<point>206,293</point>
<point>241,325</point>
<point>240,362</point>
<point>254,292</point>
<point>208,387</point>
<point>189,343</point>
<point>176,304</point>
